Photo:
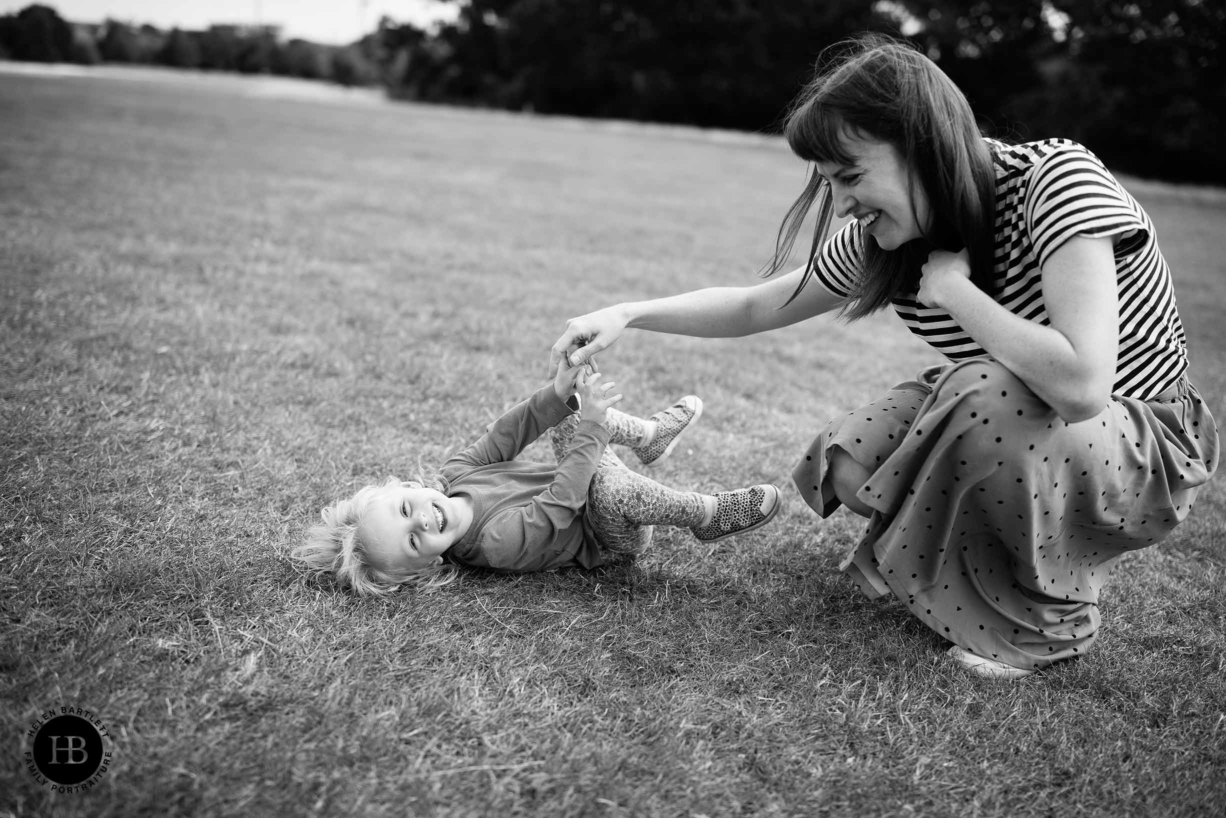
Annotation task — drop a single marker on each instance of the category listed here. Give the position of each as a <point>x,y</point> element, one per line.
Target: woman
<point>1002,485</point>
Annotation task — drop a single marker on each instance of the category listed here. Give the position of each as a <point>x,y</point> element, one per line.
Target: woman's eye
<point>404,510</point>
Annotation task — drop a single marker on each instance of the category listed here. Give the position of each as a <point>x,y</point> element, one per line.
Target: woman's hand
<point>594,398</point>
<point>587,335</point>
<point>942,270</point>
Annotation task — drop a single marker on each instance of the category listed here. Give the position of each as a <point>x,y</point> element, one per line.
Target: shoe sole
<point>673,443</point>
<point>987,668</point>
<point>770,515</point>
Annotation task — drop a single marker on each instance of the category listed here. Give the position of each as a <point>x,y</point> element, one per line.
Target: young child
<point>487,509</point>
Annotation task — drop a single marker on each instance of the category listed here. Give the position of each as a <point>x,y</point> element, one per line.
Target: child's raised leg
<point>652,439</point>
<point>624,430</point>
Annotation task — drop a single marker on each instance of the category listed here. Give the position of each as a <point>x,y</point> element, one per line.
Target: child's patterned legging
<point>624,506</point>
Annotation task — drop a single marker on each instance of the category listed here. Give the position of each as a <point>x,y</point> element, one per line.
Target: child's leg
<point>561,434</point>
<point>623,507</point>
<point>652,439</point>
<point>624,430</point>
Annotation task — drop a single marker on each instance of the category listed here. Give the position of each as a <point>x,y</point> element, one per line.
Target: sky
<point>323,21</point>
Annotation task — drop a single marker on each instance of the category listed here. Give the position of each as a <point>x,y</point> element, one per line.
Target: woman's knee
<point>846,477</point>
<point>984,384</point>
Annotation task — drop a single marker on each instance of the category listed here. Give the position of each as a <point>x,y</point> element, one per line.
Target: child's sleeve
<point>510,434</point>
<point>530,537</point>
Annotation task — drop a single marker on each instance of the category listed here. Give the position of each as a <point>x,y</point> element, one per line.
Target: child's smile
<point>408,526</point>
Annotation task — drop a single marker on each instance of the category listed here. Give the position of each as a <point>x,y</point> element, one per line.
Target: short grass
<point>220,309</point>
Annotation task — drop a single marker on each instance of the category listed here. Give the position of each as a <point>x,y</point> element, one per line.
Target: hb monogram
<point>74,746</point>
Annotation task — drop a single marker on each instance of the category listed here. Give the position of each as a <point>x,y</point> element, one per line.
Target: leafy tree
<point>182,50</point>
<point>299,58</point>
<point>255,52</point>
<point>84,46</point>
<point>350,67</point>
<point>119,43</point>
<point>731,63</point>
<point>36,34</point>
<point>989,48</point>
<point>1143,83</point>
<point>219,48</point>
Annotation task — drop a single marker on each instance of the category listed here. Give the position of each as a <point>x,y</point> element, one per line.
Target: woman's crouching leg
<point>852,447</point>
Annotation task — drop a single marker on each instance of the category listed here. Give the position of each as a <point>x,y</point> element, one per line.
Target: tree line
<point>37,33</point>
<point>1138,81</point>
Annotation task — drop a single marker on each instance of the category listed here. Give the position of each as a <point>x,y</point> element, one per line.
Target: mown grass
<point>221,310</point>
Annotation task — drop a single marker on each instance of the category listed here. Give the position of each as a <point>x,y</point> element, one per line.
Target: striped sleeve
<point>841,260</point>
<point>1073,194</point>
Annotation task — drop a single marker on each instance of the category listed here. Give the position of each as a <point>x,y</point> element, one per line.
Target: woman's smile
<point>876,183</point>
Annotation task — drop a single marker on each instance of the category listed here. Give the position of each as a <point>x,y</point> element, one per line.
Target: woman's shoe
<point>987,668</point>
<point>670,423</point>
<point>737,512</point>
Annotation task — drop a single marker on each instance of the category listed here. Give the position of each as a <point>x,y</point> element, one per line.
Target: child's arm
<point>527,538</point>
<point>520,425</point>
<point>511,433</point>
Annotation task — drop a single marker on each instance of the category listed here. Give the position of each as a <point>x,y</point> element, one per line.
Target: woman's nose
<point>843,201</point>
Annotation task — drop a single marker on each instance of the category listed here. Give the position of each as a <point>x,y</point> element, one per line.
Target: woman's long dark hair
<point>884,89</point>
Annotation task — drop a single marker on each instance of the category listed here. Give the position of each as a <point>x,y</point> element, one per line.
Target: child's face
<point>407,527</point>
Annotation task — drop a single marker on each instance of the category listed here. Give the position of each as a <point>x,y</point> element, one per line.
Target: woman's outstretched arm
<point>715,312</point>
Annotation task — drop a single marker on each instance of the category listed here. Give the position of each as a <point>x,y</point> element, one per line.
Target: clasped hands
<point>589,386</point>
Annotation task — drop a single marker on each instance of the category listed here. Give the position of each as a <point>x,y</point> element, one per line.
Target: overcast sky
<point>323,21</point>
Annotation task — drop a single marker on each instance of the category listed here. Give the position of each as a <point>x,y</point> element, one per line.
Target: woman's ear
<point>411,484</point>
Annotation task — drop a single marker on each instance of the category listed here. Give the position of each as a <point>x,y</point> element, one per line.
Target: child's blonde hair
<point>333,547</point>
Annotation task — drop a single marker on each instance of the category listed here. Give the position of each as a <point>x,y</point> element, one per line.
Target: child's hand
<point>594,396</point>
<point>564,380</point>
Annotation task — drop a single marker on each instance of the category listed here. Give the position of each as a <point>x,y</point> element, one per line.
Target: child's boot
<point>740,511</point>
<point>670,423</point>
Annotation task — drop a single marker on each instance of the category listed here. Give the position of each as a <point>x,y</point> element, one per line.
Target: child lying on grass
<point>487,509</point>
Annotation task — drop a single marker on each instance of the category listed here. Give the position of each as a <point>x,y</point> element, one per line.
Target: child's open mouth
<point>440,522</point>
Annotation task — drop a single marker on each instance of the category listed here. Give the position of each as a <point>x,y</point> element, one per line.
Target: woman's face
<point>875,189</point>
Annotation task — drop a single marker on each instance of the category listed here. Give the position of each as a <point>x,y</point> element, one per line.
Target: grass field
<point>222,307</point>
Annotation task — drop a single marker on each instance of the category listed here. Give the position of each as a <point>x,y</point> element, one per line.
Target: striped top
<point>1046,193</point>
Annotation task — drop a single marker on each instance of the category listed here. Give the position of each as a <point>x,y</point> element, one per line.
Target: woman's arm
<point>715,312</point>
<point>1069,364</point>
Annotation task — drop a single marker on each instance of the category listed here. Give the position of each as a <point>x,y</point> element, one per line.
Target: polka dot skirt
<point>997,523</point>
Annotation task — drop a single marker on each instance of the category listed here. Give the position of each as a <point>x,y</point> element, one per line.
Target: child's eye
<point>404,509</point>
